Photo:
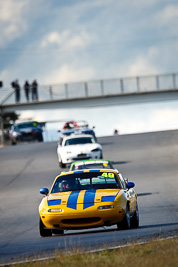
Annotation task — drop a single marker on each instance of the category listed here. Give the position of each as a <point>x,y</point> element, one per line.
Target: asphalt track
<point>150,160</point>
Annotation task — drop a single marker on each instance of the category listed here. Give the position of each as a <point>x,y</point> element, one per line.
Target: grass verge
<point>157,252</point>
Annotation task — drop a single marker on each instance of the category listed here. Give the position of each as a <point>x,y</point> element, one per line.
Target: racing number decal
<point>108,175</point>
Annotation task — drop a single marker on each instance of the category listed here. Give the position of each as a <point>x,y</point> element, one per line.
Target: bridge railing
<point>96,88</point>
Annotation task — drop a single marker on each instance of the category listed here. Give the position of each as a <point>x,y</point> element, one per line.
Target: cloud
<point>142,65</point>
<point>56,115</point>
<point>68,73</point>
<point>12,21</point>
<point>163,117</point>
<point>54,38</point>
<point>157,119</point>
<point>167,14</point>
<point>66,39</point>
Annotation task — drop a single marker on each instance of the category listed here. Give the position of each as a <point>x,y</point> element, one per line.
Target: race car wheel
<point>40,138</point>
<point>61,164</point>
<point>135,219</point>
<point>125,224</point>
<point>101,156</point>
<point>44,232</point>
<point>58,232</point>
<point>13,143</point>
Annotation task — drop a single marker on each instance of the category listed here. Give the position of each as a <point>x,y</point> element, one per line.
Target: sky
<point>61,41</point>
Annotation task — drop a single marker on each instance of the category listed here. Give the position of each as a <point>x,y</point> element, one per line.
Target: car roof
<point>85,162</point>
<point>75,122</point>
<point>90,160</point>
<point>77,131</point>
<point>76,136</point>
<point>22,122</point>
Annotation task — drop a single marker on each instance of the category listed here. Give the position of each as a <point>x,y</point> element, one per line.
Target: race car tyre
<point>135,219</point>
<point>101,156</point>
<point>40,138</point>
<point>13,143</point>
<point>61,164</point>
<point>44,232</point>
<point>58,232</point>
<point>125,224</point>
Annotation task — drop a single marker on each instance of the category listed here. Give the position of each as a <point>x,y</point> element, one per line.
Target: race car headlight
<point>96,149</point>
<point>106,207</point>
<point>15,134</point>
<point>55,210</point>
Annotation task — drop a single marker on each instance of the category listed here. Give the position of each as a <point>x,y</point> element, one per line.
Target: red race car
<point>75,125</point>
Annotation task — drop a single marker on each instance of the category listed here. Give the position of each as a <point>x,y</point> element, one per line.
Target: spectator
<point>27,90</point>
<point>116,132</point>
<point>34,90</point>
<point>16,87</point>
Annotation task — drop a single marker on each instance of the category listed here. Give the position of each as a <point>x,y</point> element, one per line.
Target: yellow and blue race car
<point>87,199</point>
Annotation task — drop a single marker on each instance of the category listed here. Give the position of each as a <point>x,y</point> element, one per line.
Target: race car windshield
<point>92,165</point>
<point>86,181</point>
<point>26,125</point>
<point>80,140</point>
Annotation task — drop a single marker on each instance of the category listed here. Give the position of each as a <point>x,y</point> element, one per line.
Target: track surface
<point>149,160</point>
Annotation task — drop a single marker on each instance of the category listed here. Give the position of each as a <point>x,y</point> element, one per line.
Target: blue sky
<point>60,41</point>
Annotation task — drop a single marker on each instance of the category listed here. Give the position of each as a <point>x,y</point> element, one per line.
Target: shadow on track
<point>106,144</point>
<point>114,230</point>
<point>157,225</point>
<point>120,162</point>
<point>146,194</point>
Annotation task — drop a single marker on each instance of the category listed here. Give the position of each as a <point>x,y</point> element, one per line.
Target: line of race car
<point>92,193</point>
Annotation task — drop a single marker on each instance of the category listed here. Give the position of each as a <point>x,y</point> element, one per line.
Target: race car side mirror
<point>44,191</point>
<point>130,185</point>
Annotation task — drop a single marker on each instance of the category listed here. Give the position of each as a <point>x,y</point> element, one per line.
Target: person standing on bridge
<point>16,87</point>
<point>27,90</point>
<point>116,132</point>
<point>34,90</point>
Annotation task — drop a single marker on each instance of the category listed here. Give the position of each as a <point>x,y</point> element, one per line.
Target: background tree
<point>8,119</point>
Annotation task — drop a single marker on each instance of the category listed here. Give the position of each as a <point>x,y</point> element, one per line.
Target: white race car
<point>78,147</point>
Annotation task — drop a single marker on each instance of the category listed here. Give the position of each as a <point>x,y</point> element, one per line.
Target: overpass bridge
<point>96,93</point>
